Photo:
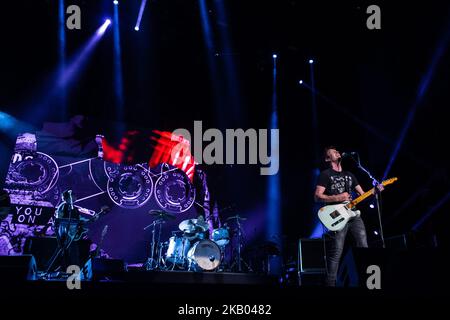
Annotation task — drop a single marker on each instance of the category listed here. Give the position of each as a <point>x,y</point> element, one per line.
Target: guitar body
<point>335,217</point>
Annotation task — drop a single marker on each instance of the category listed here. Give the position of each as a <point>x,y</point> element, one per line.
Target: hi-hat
<point>161,214</point>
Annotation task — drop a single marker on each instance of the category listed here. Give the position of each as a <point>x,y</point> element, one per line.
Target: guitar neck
<point>368,194</point>
<point>361,198</point>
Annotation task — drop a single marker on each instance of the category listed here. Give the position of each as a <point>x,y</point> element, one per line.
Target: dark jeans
<point>70,251</point>
<point>335,245</point>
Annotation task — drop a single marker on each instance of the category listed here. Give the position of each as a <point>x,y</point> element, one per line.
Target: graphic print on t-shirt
<point>338,184</point>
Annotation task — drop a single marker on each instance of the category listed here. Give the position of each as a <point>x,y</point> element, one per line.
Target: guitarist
<point>335,186</point>
<point>70,231</point>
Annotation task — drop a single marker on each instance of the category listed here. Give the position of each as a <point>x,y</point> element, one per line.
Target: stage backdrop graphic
<point>43,166</point>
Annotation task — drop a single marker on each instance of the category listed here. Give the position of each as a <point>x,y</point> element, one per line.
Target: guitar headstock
<point>389,181</point>
<point>105,209</point>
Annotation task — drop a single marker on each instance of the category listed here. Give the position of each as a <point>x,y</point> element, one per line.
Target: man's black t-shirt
<point>336,182</point>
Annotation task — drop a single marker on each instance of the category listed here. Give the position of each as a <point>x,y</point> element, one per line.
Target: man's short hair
<point>66,194</point>
<point>325,152</point>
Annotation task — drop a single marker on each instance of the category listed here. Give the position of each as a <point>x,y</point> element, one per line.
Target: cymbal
<point>236,217</point>
<point>193,225</point>
<point>161,214</point>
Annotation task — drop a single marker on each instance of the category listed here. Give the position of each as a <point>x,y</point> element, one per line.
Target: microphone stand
<point>375,183</point>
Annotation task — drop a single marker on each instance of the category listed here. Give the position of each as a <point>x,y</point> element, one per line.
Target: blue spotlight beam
<point>369,128</point>
<point>39,106</point>
<point>62,54</point>
<point>273,227</point>
<point>212,62</point>
<point>230,70</point>
<point>61,33</point>
<point>356,119</point>
<point>423,88</point>
<point>273,222</point>
<point>431,211</point>
<point>315,133</point>
<point>77,63</point>
<point>274,86</point>
<point>206,27</point>
<point>222,22</point>
<point>315,123</point>
<point>141,12</point>
<point>313,99</point>
<point>118,80</point>
<point>11,126</point>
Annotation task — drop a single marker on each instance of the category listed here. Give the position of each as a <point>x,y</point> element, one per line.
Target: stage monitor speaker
<point>103,269</point>
<point>311,255</point>
<point>17,268</point>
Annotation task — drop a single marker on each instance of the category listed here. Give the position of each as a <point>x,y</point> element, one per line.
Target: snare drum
<point>178,249</point>
<point>221,236</point>
<point>204,255</point>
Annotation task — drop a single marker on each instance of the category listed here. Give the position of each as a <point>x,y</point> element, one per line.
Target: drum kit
<point>190,247</point>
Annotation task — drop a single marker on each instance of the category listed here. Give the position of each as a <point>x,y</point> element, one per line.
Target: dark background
<point>370,77</point>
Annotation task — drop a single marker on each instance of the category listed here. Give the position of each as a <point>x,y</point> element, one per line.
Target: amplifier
<point>311,255</point>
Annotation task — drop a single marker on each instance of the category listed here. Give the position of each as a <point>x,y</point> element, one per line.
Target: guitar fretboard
<point>369,193</point>
<point>361,198</point>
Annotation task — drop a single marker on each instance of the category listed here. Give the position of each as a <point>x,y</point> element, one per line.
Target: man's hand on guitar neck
<point>104,209</point>
<point>380,188</point>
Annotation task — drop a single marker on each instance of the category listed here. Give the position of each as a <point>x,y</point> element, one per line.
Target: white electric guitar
<point>335,217</point>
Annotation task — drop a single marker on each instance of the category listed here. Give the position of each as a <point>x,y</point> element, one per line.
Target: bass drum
<point>204,255</point>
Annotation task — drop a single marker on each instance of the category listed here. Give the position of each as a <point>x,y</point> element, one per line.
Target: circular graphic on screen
<point>112,170</point>
<point>130,187</point>
<point>34,171</point>
<point>174,191</point>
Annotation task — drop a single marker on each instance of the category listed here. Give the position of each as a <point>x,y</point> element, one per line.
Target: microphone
<point>348,154</point>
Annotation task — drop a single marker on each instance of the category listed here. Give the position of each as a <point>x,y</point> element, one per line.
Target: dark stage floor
<point>182,286</point>
<point>177,295</point>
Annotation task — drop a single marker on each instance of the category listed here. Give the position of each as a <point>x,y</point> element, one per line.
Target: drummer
<point>198,230</point>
